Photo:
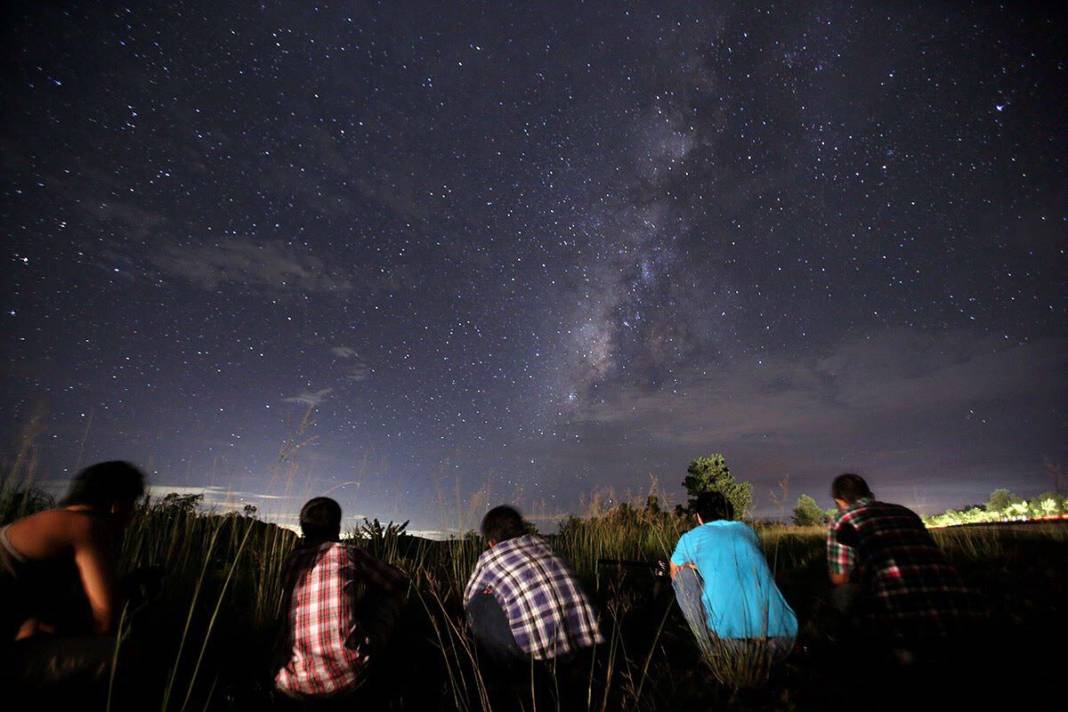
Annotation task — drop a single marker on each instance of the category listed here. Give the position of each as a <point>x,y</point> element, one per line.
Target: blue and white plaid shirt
<point>546,609</point>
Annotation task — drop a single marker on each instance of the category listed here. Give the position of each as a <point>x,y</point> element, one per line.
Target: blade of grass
<point>188,621</point>
<point>214,616</point>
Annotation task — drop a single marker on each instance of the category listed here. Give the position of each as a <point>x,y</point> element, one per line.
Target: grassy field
<point>205,641</point>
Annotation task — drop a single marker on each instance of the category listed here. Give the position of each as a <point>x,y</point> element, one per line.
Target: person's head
<point>113,487</point>
<point>320,520</point>
<point>848,488</point>
<point>710,506</point>
<point>501,524</point>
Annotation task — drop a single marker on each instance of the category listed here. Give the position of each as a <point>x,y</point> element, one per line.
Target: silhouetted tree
<point>707,474</point>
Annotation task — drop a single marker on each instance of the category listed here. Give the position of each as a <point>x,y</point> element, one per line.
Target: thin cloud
<point>343,351</point>
<point>213,494</point>
<point>885,405</point>
<point>312,398</point>
<point>357,370</point>
<point>895,373</point>
<point>270,265</point>
<point>135,221</point>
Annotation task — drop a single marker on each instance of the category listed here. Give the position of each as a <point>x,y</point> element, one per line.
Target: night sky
<point>468,252</point>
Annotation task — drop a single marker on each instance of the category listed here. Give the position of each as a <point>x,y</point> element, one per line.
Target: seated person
<point>339,605</point>
<point>723,583</point>
<point>59,605</point>
<point>522,600</point>
<point>890,574</point>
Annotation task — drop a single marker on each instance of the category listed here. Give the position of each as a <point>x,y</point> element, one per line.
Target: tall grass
<point>224,585</point>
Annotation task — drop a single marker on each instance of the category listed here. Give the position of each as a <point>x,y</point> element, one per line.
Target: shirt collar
<point>862,502</point>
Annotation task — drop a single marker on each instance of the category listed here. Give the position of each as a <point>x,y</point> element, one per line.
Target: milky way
<point>423,256</point>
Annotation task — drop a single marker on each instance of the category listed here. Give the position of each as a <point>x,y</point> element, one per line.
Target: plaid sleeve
<point>479,580</point>
<point>841,558</point>
<point>377,573</point>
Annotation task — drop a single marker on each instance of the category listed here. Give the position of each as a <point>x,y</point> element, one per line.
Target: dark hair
<point>105,484</point>
<point>503,523</point>
<point>711,506</point>
<point>320,519</point>
<point>849,488</point>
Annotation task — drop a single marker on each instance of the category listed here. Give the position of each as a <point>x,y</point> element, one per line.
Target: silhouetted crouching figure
<point>906,603</point>
<point>59,598</point>
<point>340,606</point>
<point>728,594</point>
<point>890,574</point>
<point>527,612</point>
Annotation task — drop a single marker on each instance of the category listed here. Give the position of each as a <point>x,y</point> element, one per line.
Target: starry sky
<point>426,257</point>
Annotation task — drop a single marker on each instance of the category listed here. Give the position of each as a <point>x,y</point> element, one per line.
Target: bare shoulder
<point>50,520</point>
<point>77,526</point>
<point>52,532</point>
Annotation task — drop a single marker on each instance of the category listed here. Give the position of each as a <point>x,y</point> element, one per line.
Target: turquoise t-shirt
<point>740,595</point>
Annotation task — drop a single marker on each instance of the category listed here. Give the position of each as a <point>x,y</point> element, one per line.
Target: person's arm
<point>385,577</point>
<point>680,559</point>
<point>675,568</point>
<point>283,638</point>
<point>96,567</point>
<point>841,558</point>
<point>474,583</point>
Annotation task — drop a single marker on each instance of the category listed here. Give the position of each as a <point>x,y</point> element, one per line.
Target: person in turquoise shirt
<point>723,583</point>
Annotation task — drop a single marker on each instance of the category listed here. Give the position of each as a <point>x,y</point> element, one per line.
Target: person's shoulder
<point>75,524</point>
<point>706,532</point>
<point>496,557</point>
<point>499,551</point>
<point>534,543</point>
<point>743,529</point>
<point>351,549</point>
<point>735,530</point>
<point>724,527</point>
<point>64,527</point>
<point>691,534</point>
<point>531,548</point>
<point>860,510</point>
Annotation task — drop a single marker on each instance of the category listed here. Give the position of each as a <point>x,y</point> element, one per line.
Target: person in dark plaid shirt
<point>522,600</point>
<point>882,556</point>
<point>339,605</point>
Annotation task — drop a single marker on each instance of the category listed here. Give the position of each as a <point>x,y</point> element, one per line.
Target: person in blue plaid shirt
<point>522,600</point>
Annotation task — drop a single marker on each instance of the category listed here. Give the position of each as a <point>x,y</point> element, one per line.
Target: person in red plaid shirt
<point>338,603</point>
<point>522,600</point>
<point>888,569</point>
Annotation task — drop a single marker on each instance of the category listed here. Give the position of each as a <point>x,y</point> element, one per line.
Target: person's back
<point>545,611</point>
<point>912,592</point>
<point>42,590</point>
<point>535,629</point>
<point>328,642</point>
<point>740,597</point>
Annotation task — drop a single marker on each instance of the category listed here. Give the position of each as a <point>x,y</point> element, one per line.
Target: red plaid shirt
<point>913,591</point>
<point>328,652</point>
